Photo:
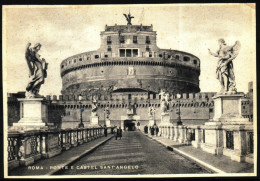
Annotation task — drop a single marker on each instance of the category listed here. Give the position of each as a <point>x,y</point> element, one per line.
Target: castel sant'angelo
<point>124,77</point>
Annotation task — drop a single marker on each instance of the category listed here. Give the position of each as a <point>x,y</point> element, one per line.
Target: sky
<point>64,31</point>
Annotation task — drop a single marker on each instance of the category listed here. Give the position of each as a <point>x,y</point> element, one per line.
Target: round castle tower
<point>129,60</point>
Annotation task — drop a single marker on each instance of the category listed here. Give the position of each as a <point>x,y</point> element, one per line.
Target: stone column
<point>176,133</point>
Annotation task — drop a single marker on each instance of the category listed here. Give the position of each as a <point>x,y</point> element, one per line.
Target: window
<point>135,39</point>
<point>229,140</point>
<point>150,54</point>
<point>195,62</point>
<point>69,62</point>
<point>177,57</point>
<point>128,52</point>
<point>210,110</point>
<point>122,52</point>
<point>109,49</point>
<point>186,59</point>
<point>62,66</point>
<point>75,60</point>
<point>160,55</point>
<point>147,40</point>
<point>250,141</point>
<point>147,48</point>
<point>106,56</point>
<point>135,52</point>
<point>122,39</point>
<point>80,59</point>
<point>96,56</point>
<point>109,40</point>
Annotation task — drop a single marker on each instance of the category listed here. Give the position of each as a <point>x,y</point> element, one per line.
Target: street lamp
<point>179,112</point>
<point>81,125</point>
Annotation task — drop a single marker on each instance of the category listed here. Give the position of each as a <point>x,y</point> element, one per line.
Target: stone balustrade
<point>236,142</point>
<point>24,148</point>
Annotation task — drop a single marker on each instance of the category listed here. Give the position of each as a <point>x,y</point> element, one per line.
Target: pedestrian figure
<point>156,128</point>
<point>119,133</point>
<point>105,130</point>
<point>115,132</point>
<point>152,131</point>
<point>138,126</point>
<point>146,129</point>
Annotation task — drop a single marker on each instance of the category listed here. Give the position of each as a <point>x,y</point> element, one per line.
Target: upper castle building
<point>130,60</point>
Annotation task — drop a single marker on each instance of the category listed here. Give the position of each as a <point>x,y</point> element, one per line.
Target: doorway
<point>129,125</point>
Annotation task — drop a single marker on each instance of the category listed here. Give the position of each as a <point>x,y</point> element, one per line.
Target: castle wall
<point>64,110</point>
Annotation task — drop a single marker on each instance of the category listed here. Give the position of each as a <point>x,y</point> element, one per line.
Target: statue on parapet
<point>164,101</point>
<point>151,112</point>
<point>128,18</point>
<point>37,70</point>
<point>94,106</point>
<point>225,71</point>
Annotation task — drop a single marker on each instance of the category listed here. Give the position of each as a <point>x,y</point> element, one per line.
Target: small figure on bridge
<point>105,130</point>
<point>119,133</point>
<point>156,129</point>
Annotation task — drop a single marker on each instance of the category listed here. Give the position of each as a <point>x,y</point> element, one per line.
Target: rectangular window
<point>147,40</point>
<point>134,39</point>
<point>250,142</point>
<point>195,62</point>
<point>147,48</point>
<point>150,54</point>
<point>229,140</point>
<point>122,52</point>
<point>122,39</point>
<point>109,49</point>
<point>186,59</point>
<point>135,52</point>
<point>177,57</point>
<point>109,40</point>
<point>128,52</point>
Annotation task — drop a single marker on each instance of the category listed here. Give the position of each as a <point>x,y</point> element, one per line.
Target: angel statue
<point>225,70</point>
<point>37,70</point>
<point>164,101</point>
<point>94,106</point>
<point>128,18</point>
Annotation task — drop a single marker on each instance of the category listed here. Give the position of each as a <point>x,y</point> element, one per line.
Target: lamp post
<point>179,112</point>
<point>81,125</point>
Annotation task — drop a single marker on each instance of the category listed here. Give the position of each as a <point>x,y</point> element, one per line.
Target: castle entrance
<point>129,125</point>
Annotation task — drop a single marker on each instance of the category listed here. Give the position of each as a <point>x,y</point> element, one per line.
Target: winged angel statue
<point>225,71</point>
<point>37,70</point>
<point>128,18</point>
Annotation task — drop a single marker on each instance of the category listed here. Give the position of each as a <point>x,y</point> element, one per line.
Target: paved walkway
<point>215,163</point>
<point>133,154</point>
<point>59,162</point>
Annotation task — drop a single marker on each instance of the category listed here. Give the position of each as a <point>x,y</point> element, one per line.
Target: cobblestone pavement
<point>133,154</point>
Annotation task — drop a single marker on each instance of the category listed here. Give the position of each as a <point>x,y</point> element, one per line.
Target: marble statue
<point>225,70</point>
<point>94,107</point>
<point>37,70</point>
<point>164,101</point>
<point>151,111</point>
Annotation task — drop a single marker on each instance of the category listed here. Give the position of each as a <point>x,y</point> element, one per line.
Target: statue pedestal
<point>108,122</point>
<point>151,121</point>
<point>94,120</point>
<point>227,109</point>
<point>34,115</point>
<point>227,120</point>
<point>165,119</point>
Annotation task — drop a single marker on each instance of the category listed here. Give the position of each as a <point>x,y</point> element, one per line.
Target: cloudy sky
<point>67,30</point>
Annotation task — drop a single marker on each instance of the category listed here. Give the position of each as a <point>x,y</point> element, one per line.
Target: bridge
<point>88,151</point>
